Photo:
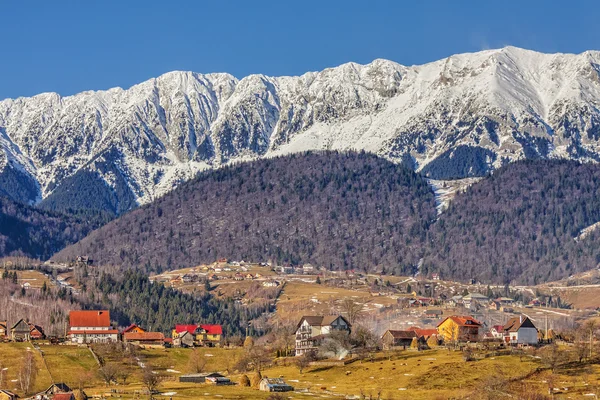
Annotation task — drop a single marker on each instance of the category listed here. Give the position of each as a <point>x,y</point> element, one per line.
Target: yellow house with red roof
<point>459,328</point>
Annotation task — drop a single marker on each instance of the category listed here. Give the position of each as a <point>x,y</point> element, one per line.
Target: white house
<point>311,330</point>
<point>474,299</point>
<point>91,326</point>
<point>520,330</point>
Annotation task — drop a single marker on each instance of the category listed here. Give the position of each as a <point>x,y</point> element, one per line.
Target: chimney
<point>520,319</point>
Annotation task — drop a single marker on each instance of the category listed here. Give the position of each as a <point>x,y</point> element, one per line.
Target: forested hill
<point>30,232</point>
<point>339,210</point>
<point>520,224</point>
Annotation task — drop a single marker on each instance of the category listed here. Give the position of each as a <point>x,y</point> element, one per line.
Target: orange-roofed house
<point>145,339</point>
<point>458,328</point>
<point>91,326</point>
<point>133,328</point>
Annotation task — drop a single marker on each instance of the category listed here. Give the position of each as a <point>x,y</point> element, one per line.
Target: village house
<point>288,270</point>
<point>21,331</point>
<point>270,283</point>
<point>6,395</point>
<point>213,378</point>
<point>91,326</point>
<point>434,313</point>
<point>497,332</point>
<point>145,339</point>
<point>36,332</point>
<point>274,385</point>
<point>474,299</point>
<point>183,339</point>
<point>395,339</point>
<point>203,334</point>
<point>520,330</point>
<point>311,330</point>
<point>308,269</point>
<point>238,277</point>
<point>56,388</point>
<point>459,328</point>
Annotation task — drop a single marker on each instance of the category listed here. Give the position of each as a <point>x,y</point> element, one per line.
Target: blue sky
<point>70,46</point>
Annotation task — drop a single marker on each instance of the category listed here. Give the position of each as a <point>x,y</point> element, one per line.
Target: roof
<point>89,318</point>
<point>62,387</point>
<point>402,334</point>
<point>10,394</point>
<point>130,327</point>
<point>63,396</point>
<point>462,320</point>
<point>475,296</point>
<point>144,336</point>
<point>423,332</point>
<point>183,328</point>
<point>203,375</point>
<point>18,322</point>
<point>212,329</point>
<point>36,327</point>
<point>516,323</point>
<point>320,320</point>
<point>275,381</point>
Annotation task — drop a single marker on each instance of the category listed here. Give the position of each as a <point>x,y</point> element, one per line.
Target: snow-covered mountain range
<point>458,117</point>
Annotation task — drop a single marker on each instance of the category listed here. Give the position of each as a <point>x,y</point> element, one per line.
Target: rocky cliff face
<point>458,117</point>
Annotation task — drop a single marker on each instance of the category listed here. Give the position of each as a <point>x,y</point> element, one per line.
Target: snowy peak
<point>458,117</point>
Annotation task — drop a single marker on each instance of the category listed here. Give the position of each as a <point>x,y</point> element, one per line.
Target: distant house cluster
<point>56,391</point>
<point>21,331</point>
<point>94,326</point>
<point>462,329</point>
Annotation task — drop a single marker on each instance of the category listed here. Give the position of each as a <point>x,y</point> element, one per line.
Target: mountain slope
<point>26,231</point>
<point>524,223</point>
<point>458,117</point>
<point>336,210</point>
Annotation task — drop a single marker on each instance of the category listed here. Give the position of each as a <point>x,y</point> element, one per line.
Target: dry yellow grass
<point>432,374</point>
<point>11,355</point>
<point>35,278</point>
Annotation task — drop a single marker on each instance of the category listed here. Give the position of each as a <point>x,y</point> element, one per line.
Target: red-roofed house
<point>459,328</point>
<point>204,334</point>
<point>91,326</point>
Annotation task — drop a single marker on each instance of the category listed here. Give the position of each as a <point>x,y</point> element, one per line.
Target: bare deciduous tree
<point>27,372</point>
<point>197,362</point>
<point>352,309</point>
<point>108,372</point>
<point>151,380</point>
